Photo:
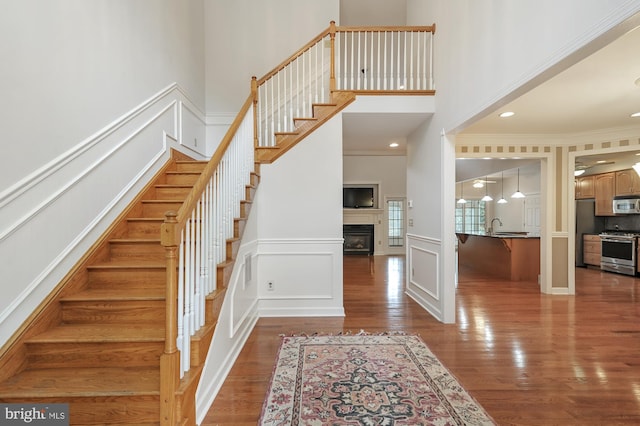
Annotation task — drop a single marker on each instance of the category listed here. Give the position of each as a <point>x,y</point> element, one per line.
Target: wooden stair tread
<point>82,382</point>
<point>127,263</point>
<point>103,355</point>
<point>116,295</point>
<point>167,201</point>
<point>168,185</point>
<point>203,162</point>
<point>100,333</point>
<point>134,240</point>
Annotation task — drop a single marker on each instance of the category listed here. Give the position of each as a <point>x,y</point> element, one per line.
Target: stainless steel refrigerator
<point>586,223</point>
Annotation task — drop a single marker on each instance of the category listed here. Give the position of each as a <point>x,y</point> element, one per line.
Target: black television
<point>357,198</point>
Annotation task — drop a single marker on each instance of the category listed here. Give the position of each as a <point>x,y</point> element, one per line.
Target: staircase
<point>97,342</point>
<point>100,340</point>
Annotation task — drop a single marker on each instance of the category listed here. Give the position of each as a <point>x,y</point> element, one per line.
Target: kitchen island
<point>511,256</point>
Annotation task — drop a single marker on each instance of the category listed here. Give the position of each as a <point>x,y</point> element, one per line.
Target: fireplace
<point>358,239</point>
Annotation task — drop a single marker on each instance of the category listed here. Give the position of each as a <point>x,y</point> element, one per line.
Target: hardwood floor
<point>526,357</point>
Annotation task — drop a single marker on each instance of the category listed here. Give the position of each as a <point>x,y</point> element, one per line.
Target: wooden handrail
<point>193,198</point>
<point>333,28</point>
<point>421,28</point>
<point>291,58</point>
<point>332,66</point>
<point>254,100</point>
<point>170,239</point>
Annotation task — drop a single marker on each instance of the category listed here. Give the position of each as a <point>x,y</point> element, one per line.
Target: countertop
<point>501,234</point>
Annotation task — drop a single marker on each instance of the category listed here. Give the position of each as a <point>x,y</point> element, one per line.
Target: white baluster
<point>181,310</point>
<point>378,58</point>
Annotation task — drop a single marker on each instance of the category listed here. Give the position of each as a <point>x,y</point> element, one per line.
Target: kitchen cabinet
<point>515,257</point>
<point>605,187</point>
<point>585,187</point>
<point>627,182</point>
<point>591,249</point>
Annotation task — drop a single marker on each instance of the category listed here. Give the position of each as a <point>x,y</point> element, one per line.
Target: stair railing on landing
<point>365,60</point>
<point>195,238</point>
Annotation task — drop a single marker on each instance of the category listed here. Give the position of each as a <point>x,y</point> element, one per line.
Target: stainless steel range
<point>619,252</point>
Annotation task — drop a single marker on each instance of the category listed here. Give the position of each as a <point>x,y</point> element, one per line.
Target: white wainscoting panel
<point>306,277</point>
<point>424,283</point>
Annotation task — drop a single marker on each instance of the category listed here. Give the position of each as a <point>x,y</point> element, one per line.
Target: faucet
<point>491,224</point>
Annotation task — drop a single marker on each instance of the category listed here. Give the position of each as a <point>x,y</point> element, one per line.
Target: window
<point>470,216</point>
<point>395,211</point>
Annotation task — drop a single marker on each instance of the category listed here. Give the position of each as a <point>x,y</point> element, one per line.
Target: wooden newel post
<point>254,96</point>
<point>332,69</point>
<point>170,359</point>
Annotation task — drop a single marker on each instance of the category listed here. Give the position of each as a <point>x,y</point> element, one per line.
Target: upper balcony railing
<point>365,60</point>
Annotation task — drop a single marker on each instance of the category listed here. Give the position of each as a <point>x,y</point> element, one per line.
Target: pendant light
<point>461,200</point>
<point>486,190</point>
<point>502,200</point>
<point>518,194</point>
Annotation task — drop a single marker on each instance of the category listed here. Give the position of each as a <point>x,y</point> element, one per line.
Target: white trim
<point>57,163</point>
<point>430,240</point>
<point>298,241</point>
<point>615,23</point>
<point>71,183</point>
<point>434,310</point>
<point>30,288</point>
<point>219,119</point>
<point>300,312</point>
<point>415,284</point>
<point>212,386</point>
<point>43,189</point>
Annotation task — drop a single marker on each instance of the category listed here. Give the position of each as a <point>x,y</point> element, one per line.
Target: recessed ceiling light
<point>601,161</point>
<point>393,145</point>
<point>636,114</point>
<point>507,114</point>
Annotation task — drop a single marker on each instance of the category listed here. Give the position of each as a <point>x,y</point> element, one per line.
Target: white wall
<point>386,170</point>
<point>70,67</point>
<point>300,227</point>
<point>90,108</point>
<point>487,52</point>
<point>246,38</point>
<point>373,12</point>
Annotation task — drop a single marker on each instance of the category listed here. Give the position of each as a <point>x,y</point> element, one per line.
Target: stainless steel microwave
<point>626,206</point>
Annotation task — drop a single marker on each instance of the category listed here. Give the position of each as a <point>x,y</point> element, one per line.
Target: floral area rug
<point>367,380</point>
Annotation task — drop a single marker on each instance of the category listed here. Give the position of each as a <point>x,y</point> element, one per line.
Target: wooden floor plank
<point>526,357</point>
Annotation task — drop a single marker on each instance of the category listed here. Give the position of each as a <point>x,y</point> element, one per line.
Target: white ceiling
<point>371,134</point>
<point>599,92</point>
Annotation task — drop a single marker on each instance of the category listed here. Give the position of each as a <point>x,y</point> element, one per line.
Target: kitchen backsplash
<point>625,223</point>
